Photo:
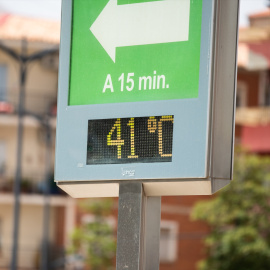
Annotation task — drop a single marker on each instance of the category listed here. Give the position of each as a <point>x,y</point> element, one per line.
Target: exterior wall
<point>34,151</point>
<point>41,84</point>
<point>9,138</point>
<point>58,236</point>
<point>260,21</point>
<point>41,87</point>
<point>31,227</point>
<point>250,81</point>
<point>190,235</point>
<point>5,234</point>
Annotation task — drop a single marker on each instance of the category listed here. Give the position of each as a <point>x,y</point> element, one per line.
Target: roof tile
<point>13,27</point>
<point>265,13</point>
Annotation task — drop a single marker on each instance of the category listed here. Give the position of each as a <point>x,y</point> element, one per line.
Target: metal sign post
<point>138,228</point>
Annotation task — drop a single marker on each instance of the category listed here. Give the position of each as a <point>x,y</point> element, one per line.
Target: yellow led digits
<point>129,140</point>
<point>118,142</point>
<point>160,140</point>
<point>132,144</point>
<point>152,124</point>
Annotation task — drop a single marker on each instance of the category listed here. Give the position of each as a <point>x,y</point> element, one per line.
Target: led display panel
<point>130,140</point>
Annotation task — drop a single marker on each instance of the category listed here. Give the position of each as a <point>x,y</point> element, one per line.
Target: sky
<point>51,9</point>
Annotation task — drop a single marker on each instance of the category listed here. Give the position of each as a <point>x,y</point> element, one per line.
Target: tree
<point>95,240</point>
<point>239,219</point>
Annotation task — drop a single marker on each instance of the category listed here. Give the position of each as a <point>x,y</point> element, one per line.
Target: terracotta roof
<point>13,27</point>
<point>252,116</point>
<point>254,55</point>
<point>265,13</point>
<point>254,48</point>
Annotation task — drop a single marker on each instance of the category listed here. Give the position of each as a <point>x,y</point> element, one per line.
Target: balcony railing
<point>33,184</point>
<point>252,116</point>
<point>35,103</point>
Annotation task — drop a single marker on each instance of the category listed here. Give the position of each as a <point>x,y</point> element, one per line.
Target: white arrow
<point>141,24</point>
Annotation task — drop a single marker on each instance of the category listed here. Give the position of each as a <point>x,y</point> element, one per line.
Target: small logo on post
<point>130,172</point>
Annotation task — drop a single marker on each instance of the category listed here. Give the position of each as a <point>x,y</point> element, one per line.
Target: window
<point>168,241</point>
<point>3,82</point>
<point>264,89</point>
<point>2,157</point>
<point>241,95</point>
<point>267,91</point>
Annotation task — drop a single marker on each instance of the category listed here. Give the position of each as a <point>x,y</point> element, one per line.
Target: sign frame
<point>208,163</point>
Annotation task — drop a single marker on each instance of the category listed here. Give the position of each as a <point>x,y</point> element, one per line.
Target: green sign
<point>129,51</point>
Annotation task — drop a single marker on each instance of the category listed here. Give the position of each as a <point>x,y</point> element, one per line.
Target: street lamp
<point>23,59</point>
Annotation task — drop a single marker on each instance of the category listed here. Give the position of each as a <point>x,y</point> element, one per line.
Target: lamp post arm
<point>41,54</point>
<point>10,52</point>
<point>28,58</point>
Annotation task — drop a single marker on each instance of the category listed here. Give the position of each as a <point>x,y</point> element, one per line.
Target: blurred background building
<point>253,85</point>
<point>181,239</point>
<point>28,36</point>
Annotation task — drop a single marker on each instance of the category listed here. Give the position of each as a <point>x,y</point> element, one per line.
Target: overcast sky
<point>51,9</point>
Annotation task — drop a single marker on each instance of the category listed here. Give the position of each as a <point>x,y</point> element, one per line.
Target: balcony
<point>35,102</point>
<point>253,129</point>
<point>252,116</point>
<point>30,185</point>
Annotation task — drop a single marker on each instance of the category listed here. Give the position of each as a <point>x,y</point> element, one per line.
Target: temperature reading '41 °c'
<point>129,140</point>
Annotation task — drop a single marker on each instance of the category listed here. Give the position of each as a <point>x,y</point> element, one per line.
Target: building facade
<point>253,85</point>
<point>25,37</point>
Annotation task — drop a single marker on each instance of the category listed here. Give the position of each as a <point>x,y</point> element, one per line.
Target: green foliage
<point>239,218</point>
<point>95,239</point>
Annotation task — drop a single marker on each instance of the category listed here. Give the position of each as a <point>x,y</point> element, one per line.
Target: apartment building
<point>253,85</point>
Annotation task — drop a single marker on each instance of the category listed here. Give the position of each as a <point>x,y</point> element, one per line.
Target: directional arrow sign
<point>134,50</point>
<point>141,24</point>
